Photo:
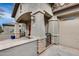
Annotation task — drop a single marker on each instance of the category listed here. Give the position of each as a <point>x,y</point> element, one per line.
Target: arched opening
<point>26,19</point>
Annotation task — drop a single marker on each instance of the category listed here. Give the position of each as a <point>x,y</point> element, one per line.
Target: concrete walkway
<point>58,50</point>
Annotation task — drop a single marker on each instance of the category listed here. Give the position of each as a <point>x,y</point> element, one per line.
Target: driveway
<point>58,50</point>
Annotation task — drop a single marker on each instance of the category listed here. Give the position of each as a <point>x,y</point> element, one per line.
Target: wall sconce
<point>33,19</point>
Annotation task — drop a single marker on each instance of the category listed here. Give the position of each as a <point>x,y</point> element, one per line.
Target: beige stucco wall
<point>38,28</point>
<point>27,49</point>
<point>69,32</point>
<point>33,7</point>
<point>69,28</point>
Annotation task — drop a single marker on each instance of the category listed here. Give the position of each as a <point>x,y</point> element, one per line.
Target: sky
<point>5,13</point>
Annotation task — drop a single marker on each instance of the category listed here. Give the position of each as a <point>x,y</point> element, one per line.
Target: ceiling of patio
<point>24,18</point>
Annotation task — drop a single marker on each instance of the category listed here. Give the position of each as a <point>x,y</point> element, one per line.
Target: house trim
<point>64,7</point>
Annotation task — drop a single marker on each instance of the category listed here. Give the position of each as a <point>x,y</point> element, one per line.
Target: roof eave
<point>64,7</point>
<point>15,9</point>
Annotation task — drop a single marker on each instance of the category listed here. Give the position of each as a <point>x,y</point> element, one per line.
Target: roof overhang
<point>24,17</point>
<point>65,7</point>
<point>17,5</point>
<point>47,14</point>
<point>8,24</point>
<point>68,11</point>
<point>15,9</point>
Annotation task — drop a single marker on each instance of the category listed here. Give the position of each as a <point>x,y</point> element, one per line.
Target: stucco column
<point>38,25</point>
<point>54,29</point>
<point>16,31</point>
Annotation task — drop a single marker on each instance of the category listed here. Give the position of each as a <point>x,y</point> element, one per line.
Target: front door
<point>48,39</point>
